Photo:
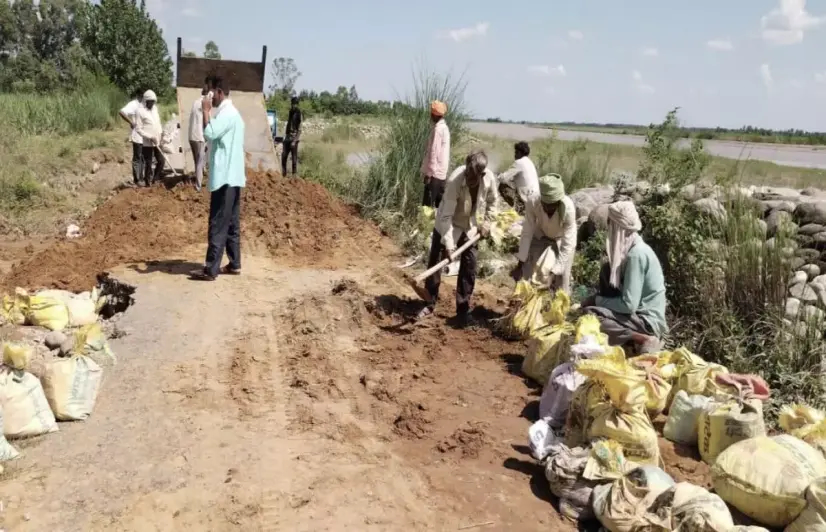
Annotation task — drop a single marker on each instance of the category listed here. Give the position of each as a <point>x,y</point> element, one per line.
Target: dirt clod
<point>469,440</point>
<point>412,422</point>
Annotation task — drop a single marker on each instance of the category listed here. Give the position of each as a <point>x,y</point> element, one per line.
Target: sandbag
<point>15,307</point>
<point>542,440</point>
<point>7,452</point>
<point>806,423</point>
<point>26,411</point>
<point>71,387</point>
<point>683,418</point>
<point>623,417</point>
<point>693,374</point>
<point>688,508</point>
<point>564,473</point>
<point>47,312</point>
<point>621,506</point>
<point>813,517</point>
<point>547,349</point>
<point>527,305</point>
<point>766,477</point>
<point>723,424</point>
<point>91,341</point>
<point>17,356</point>
<point>580,413</point>
<point>657,388</point>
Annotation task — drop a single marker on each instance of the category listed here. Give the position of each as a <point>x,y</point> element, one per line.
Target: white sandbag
<point>689,508</point>
<point>542,440</point>
<point>71,387</point>
<point>813,517</point>
<point>564,380</point>
<point>26,411</point>
<point>621,506</point>
<point>7,452</point>
<point>683,416</point>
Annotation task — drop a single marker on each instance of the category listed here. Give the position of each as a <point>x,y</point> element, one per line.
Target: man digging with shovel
<point>469,189</point>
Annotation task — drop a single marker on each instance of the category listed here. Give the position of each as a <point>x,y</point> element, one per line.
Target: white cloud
<point>462,34</point>
<point>575,35</point>
<point>820,77</point>
<point>545,70</point>
<point>796,84</point>
<point>650,52</point>
<point>191,12</point>
<point>641,85</point>
<point>766,75</point>
<point>721,45</point>
<point>788,23</point>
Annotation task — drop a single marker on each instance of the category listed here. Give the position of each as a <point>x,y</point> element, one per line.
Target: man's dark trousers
<point>467,273</point>
<point>224,229</point>
<point>290,148</point>
<point>149,153</point>
<point>137,162</point>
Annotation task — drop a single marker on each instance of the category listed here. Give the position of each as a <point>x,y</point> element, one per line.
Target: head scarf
<point>551,188</point>
<point>623,225</point>
<point>438,108</point>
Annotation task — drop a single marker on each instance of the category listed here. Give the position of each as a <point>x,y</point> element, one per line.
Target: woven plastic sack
<point>26,411</point>
<point>688,508</point>
<point>564,473</point>
<point>580,413</point>
<point>15,307</point>
<point>806,423</point>
<point>548,348</point>
<point>813,517</point>
<point>91,341</point>
<point>17,356</point>
<point>657,388</point>
<point>684,417</point>
<point>71,387</point>
<point>47,312</point>
<point>766,477</point>
<point>621,506</point>
<point>7,452</point>
<point>693,374</point>
<point>542,440</point>
<point>721,425</point>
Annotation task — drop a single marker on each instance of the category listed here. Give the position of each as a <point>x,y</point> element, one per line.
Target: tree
<point>188,53</point>
<point>128,46</point>
<point>211,51</point>
<point>284,74</point>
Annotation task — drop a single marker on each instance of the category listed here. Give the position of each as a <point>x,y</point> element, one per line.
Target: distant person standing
<point>196,137</point>
<point>130,114</point>
<point>436,157</point>
<point>148,126</point>
<point>225,133</point>
<point>292,137</point>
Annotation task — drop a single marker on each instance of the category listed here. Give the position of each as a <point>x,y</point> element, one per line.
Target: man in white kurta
<point>548,242</point>
<point>521,176</point>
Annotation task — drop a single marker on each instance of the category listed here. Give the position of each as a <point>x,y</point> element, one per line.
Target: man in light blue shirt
<point>227,176</point>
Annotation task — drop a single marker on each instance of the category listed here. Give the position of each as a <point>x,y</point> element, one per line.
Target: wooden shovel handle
<point>456,254</point>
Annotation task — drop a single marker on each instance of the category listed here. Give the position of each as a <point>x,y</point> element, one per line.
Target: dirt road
<point>290,398</point>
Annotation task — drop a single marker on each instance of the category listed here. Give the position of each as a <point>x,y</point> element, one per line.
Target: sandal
<point>227,270</point>
<point>424,313</point>
<point>201,275</point>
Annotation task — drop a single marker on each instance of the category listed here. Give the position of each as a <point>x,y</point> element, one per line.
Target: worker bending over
<point>436,156</point>
<point>469,191</point>
<point>148,126</point>
<point>521,176</point>
<point>548,242</point>
<point>630,303</point>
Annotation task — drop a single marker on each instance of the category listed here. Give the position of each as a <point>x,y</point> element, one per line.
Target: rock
<point>711,207</point>
<point>371,380</point>
<point>812,313</point>
<point>803,292</point>
<point>121,159</point>
<point>54,339</point>
<point>796,263</point>
<point>773,193</point>
<point>805,241</point>
<point>792,308</point>
<point>583,202</point>
<point>800,330</point>
<point>761,227</point>
<point>813,192</point>
<point>95,168</point>
<point>812,270</point>
<point>798,278</point>
<point>67,347</point>
<point>820,280</point>
<point>600,195</point>
<point>690,193</point>
<point>776,220</point>
<point>780,205</point>
<point>599,217</point>
<point>808,254</point>
<point>811,229</point>
<point>811,213</point>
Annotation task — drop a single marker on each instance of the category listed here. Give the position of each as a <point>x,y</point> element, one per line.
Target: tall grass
<point>393,186</point>
<point>61,113</point>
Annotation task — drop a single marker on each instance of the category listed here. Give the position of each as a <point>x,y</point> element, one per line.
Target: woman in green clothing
<point>630,303</point>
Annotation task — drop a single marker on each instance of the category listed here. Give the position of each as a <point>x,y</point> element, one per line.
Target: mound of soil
<point>295,220</point>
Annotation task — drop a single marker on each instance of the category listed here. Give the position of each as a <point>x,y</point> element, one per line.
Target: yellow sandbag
<point>71,387</point>
<point>17,356</point>
<point>813,517</point>
<point>560,306</point>
<point>91,341</point>
<point>806,423</point>
<point>721,425</point>
<point>693,374</point>
<point>47,312</point>
<point>588,325</point>
<point>580,413</point>
<point>607,461</point>
<point>657,387</point>
<point>548,348</point>
<point>623,418</point>
<point>766,477</point>
<point>26,411</point>
<point>15,307</point>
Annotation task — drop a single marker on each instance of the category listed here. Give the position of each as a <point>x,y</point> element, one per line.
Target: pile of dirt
<point>296,221</point>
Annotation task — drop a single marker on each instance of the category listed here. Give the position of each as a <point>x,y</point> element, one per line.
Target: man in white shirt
<point>548,242</point>
<point>470,194</point>
<point>148,126</point>
<point>521,176</point>
<point>196,137</point>
<point>129,114</point>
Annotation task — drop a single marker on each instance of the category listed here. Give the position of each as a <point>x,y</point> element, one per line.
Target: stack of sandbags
<point>766,478</point>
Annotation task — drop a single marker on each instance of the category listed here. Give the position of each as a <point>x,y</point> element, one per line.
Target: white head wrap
<point>623,225</point>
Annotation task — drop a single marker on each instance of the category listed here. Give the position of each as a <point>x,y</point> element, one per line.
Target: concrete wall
<point>242,75</point>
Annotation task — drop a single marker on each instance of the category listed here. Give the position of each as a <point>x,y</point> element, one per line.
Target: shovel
<point>415,283</point>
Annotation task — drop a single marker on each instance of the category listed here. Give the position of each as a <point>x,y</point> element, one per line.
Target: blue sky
<point>724,62</point>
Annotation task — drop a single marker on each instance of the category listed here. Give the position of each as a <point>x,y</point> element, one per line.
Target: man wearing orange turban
<point>436,157</point>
